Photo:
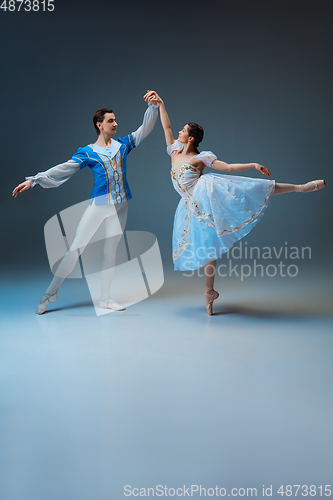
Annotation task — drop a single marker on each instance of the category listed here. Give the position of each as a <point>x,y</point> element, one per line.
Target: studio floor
<point>163,395</point>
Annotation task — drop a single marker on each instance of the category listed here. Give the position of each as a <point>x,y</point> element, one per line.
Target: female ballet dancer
<point>215,210</point>
<point>108,200</point>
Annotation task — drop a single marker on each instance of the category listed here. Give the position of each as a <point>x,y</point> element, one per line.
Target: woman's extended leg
<point>114,228</point>
<point>281,188</point>
<point>210,293</point>
<point>88,225</point>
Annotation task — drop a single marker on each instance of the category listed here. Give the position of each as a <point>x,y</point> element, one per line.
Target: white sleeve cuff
<point>156,106</point>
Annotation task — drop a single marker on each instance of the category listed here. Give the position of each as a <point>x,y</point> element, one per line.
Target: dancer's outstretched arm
<point>152,97</point>
<point>53,177</point>
<point>239,167</point>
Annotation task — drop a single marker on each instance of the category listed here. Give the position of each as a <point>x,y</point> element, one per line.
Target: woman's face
<point>183,135</point>
<point>109,124</point>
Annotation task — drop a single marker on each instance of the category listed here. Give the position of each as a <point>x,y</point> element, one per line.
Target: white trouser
<point>115,220</point>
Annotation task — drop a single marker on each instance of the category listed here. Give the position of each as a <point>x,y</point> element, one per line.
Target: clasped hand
<point>152,97</point>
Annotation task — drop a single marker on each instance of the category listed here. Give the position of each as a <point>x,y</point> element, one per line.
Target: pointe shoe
<point>209,299</point>
<point>41,308</point>
<point>310,186</point>
<point>111,304</point>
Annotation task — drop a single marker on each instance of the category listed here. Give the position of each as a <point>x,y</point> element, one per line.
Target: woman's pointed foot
<point>45,300</point>
<point>209,299</point>
<point>111,304</point>
<point>310,186</point>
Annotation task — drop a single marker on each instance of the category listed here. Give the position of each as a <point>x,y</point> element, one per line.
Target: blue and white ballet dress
<point>214,212</point>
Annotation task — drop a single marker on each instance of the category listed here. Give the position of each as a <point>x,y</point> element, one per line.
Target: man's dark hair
<point>99,117</point>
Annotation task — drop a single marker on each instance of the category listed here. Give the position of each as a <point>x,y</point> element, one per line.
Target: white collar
<point>109,151</point>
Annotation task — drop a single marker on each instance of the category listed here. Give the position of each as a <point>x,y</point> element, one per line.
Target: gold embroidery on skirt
<point>254,215</point>
<point>185,236</point>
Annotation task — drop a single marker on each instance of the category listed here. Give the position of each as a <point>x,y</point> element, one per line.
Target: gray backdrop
<point>256,75</point>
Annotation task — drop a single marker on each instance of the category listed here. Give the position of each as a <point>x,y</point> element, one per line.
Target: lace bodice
<point>185,178</point>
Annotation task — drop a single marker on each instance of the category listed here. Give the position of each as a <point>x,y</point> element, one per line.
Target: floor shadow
<point>85,304</point>
<point>70,306</point>
<point>254,311</point>
<point>296,313</point>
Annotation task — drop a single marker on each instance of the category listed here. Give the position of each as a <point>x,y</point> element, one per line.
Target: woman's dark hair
<point>195,131</point>
<point>99,117</point>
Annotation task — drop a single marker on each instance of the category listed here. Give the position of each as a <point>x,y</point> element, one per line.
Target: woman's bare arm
<point>154,98</point>
<point>239,167</point>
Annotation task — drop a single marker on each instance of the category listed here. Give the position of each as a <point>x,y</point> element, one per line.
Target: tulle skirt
<point>222,210</point>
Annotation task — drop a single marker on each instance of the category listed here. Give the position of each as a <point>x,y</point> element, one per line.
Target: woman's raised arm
<point>152,97</point>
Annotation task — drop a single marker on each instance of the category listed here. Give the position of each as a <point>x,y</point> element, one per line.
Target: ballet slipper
<point>209,299</point>
<point>310,186</point>
<point>111,304</point>
<point>41,308</point>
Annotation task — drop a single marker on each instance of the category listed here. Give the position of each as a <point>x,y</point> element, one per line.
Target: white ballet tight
<point>115,220</point>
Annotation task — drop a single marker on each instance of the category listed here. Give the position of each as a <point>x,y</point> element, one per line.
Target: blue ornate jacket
<point>111,184</point>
